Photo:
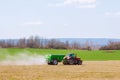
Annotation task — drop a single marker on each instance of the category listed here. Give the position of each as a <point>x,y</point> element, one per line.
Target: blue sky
<point>59,18</point>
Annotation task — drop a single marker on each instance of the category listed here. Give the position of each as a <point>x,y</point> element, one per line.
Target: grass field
<point>84,54</point>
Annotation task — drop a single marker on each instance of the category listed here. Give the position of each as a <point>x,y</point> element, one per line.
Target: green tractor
<point>69,59</point>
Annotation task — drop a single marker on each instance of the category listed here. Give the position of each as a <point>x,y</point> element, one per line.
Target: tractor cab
<point>71,55</point>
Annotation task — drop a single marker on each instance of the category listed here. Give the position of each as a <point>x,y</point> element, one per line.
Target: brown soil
<point>90,70</point>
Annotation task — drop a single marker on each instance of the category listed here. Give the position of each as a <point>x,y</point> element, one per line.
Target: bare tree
<point>111,46</point>
<point>22,43</point>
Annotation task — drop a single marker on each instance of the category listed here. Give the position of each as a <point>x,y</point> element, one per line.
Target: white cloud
<point>87,6</point>
<point>112,13</point>
<point>108,13</point>
<point>65,24</point>
<point>118,13</point>
<point>33,23</point>
<point>76,3</point>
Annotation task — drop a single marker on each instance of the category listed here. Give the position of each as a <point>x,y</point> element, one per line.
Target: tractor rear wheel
<point>71,61</point>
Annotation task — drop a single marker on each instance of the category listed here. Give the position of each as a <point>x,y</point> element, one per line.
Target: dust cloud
<point>24,59</point>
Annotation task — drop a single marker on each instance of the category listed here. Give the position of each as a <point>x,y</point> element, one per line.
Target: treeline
<point>37,42</point>
<point>111,46</point>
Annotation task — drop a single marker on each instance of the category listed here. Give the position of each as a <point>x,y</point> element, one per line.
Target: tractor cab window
<point>71,55</point>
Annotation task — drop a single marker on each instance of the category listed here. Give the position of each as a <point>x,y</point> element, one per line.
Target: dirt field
<point>90,70</point>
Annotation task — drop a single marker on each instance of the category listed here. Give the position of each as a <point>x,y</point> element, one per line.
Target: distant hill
<point>99,41</point>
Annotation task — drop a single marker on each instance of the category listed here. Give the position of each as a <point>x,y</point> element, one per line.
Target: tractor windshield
<point>71,55</point>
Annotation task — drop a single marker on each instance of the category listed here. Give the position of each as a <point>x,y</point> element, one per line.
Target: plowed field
<point>90,70</point>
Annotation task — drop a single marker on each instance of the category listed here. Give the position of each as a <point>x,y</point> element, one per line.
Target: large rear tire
<point>71,61</point>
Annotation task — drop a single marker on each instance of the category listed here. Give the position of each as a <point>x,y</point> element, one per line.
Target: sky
<point>59,18</point>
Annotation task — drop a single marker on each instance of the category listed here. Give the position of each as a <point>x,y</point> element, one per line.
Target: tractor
<point>69,59</point>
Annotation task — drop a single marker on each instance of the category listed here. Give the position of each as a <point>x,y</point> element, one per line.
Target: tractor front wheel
<point>79,62</point>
